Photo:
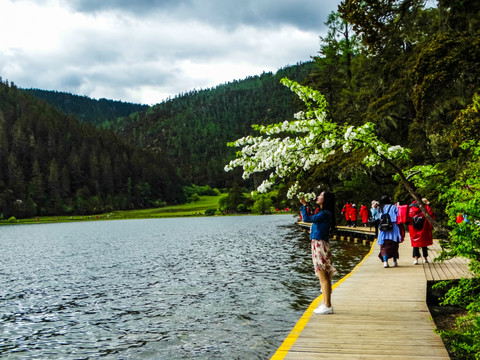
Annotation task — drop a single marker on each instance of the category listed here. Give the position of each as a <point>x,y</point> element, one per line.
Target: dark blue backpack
<point>385,221</point>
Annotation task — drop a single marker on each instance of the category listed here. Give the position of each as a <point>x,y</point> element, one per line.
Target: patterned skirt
<point>322,257</point>
<point>389,248</point>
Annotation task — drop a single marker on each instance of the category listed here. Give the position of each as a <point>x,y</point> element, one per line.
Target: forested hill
<point>50,163</point>
<point>193,128</point>
<point>95,112</point>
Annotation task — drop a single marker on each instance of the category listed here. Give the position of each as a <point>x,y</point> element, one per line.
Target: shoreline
<point>192,209</point>
<point>106,217</point>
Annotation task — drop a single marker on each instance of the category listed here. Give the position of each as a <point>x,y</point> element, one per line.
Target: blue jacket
<point>394,234</point>
<point>320,223</point>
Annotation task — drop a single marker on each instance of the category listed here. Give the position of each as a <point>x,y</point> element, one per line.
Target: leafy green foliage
<point>464,341</point>
<point>463,198</point>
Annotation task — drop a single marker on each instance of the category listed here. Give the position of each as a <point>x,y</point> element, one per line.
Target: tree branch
<point>443,232</point>
<point>413,174</point>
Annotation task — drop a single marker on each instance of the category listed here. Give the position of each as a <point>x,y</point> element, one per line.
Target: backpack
<point>370,220</point>
<point>385,221</point>
<point>417,222</point>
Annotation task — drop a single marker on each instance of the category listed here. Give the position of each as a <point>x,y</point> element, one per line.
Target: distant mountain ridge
<point>100,112</point>
<point>193,128</point>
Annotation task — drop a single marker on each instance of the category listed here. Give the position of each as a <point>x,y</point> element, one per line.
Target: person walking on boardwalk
<point>353,215</point>
<point>364,214</point>
<point>346,211</point>
<point>322,222</point>
<point>375,216</point>
<point>420,230</point>
<point>389,235</point>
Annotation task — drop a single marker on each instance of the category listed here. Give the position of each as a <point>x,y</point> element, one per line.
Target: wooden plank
<point>460,265</point>
<point>440,270</point>
<point>449,269</point>
<point>432,272</point>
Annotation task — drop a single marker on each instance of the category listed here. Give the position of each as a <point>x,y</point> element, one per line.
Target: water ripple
<point>206,288</point>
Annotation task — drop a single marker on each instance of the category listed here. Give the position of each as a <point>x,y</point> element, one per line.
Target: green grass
<point>190,209</point>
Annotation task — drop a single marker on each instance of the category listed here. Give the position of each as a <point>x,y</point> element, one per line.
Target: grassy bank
<point>191,209</point>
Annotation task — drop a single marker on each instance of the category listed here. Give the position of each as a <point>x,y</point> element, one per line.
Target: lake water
<point>206,288</point>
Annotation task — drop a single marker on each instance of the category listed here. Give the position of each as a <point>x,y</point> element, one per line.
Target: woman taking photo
<point>322,222</point>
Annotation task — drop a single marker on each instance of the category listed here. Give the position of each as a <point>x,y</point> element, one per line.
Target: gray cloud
<point>146,51</point>
<point>304,14</point>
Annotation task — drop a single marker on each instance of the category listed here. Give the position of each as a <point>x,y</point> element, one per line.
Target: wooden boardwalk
<point>452,269</point>
<point>378,313</point>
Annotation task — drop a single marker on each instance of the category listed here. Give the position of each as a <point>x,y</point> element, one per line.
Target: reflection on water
<point>220,287</point>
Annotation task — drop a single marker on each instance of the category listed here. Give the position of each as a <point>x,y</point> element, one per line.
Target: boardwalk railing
<point>364,235</point>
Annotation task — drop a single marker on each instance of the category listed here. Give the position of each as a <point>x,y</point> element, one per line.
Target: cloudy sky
<point>144,51</point>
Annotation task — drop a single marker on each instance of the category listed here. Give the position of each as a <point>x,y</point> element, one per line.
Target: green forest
<point>51,164</point>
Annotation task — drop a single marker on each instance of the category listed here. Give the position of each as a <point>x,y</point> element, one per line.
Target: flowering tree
<point>291,147</point>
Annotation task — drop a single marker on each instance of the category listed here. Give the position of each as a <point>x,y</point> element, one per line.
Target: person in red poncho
<point>420,230</point>
<point>347,210</point>
<point>364,214</point>
<point>353,215</point>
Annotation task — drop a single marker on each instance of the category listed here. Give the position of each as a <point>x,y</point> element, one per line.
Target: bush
<point>241,208</point>
<point>262,205</point>
<point>12,219</point>
<point>210,211</point>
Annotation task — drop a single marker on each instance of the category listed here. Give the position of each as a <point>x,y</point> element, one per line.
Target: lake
<point>203,287</point>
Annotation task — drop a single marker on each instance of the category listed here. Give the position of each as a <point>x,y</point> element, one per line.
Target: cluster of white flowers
<point>371,160</point>
<point>265,186</point>
<point>350,134</point>
<point>329,143</point>
<point>292,146</point>
<point>347,147</point>
<point>309,196</point>
<point>395,151</point>
<point>293,190</point>
<point>299,115</point>
<point>381,149</point>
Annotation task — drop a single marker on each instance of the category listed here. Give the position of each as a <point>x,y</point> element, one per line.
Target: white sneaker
<point>395,263</point>
<point>415,262</point>
<point>425,261</point>
<point>323,310</point>
<point>385,264</point>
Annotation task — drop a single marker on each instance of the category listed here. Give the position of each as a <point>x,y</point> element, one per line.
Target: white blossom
<point>264,186</point>
<point>350,134</point>
<point>292,191</point>
<point>311,139</point>
<point>346,147</point>
<point>329,143</point>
